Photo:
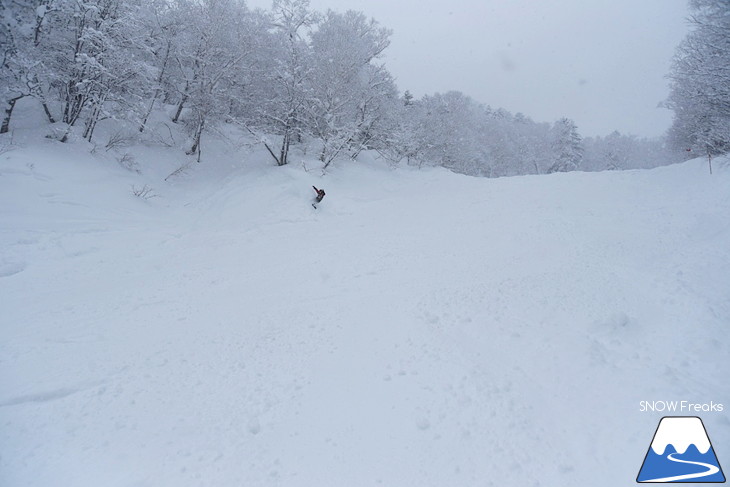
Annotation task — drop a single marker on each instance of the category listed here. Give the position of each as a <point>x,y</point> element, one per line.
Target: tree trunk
<point>48,112</point>
<point>182,102</point>
<point>709,161</point>
<point>284,154</point>
<point>196,138</point>
<point>179,109</point>
<point>64,137</point>
<point>71,114</point>
<point>149,111</point>
<point>323,154</point>
<point>73,107</point>
<point>268,148</point>
<point>93,118</point>
<point>328,156</point>
<point>38,93</point>
<point>9,113</point>
<point>158,90</point>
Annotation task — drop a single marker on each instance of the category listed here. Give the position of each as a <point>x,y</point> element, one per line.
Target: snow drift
<point>420,328</point>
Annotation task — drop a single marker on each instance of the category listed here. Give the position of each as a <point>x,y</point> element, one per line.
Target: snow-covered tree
<point>617,151</point>
<point>607,153</point>
<point>14,72</point>
<point>499,137</point>
<point>217,49</point>
<point>285,78</point>
<point>22,54</point>
<point>348,89</point>
<point>163,25</point>
<point>456,132</point>
<point>291,75</point>
<point>533,146</point>
<point>404,143</point>
<point>451,133</point>
<point>700,74</point>
<point>85,52</point>
<point>120,72</point>
<point>567,147</point>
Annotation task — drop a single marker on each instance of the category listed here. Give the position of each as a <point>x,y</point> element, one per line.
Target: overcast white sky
<point>601,63</point>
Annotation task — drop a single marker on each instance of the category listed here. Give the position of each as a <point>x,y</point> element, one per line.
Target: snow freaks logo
<point>680,407</point>
<point>680,452</point>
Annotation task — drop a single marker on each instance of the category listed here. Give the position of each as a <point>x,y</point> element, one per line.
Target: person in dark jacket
<point>320,195</point>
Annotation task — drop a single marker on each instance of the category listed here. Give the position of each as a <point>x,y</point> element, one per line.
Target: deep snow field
<point>421,328</point>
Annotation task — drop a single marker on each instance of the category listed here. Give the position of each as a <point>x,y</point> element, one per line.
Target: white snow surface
<point>681,432</point>
<point>421,328</point>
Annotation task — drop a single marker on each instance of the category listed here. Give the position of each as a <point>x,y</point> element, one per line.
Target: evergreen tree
<point>567,147</point>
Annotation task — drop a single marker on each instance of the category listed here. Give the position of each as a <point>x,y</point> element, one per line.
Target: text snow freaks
<point>679,407</point>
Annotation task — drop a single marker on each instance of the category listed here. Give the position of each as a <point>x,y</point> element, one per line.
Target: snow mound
<point>418,328</point>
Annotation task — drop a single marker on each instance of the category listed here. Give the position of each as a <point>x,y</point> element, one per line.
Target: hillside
<point>420,328</point>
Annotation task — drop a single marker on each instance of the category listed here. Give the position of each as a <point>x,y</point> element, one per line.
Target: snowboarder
<point>318,198</point>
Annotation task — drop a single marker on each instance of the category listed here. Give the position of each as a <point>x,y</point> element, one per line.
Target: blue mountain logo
<point>680,452</point>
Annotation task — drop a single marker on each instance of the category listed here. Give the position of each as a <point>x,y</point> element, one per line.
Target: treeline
<point>288,76</point>
<point>454,131</point>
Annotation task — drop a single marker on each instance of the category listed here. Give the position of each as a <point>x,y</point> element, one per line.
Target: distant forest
<point>291,76</point>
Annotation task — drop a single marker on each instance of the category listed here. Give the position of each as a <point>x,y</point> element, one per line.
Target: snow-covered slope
<point>420,328</point>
